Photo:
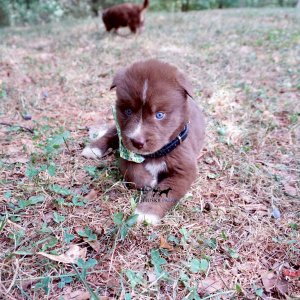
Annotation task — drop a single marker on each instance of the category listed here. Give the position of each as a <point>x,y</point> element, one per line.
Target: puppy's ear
<point>185,84</point>
<point>118,78</point>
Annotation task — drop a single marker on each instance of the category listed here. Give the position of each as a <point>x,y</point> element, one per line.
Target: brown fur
<point>123,15</point>
<point>167,91</point>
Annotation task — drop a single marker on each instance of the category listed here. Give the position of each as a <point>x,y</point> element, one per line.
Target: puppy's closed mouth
<point>165,149</point>
<point>136,148</point>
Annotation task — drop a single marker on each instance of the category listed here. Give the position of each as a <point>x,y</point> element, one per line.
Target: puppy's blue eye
<point>159,115</point>
<point>128,112</point>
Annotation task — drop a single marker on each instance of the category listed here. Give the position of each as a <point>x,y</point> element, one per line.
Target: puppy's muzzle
<point>138,143</point>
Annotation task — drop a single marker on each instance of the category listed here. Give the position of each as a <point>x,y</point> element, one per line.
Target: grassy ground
<point>234,236</point>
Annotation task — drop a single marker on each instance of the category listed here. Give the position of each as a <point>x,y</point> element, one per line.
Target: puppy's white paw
<point>149,218</point>
<point>89,152</point>
<point>96,132</point>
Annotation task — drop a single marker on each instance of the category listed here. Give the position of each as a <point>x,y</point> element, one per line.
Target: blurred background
<point>20,12</point>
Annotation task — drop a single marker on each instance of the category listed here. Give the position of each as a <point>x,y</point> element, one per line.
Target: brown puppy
<point>159,121</point>
<point>123,15</point>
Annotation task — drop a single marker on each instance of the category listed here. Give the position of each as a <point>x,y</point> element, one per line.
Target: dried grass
<point>244,65</point>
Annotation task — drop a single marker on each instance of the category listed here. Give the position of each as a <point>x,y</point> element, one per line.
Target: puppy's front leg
<point>169,191</point>
<point>98,148</point>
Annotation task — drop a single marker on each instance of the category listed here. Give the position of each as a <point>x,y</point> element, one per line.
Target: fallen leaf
<point>282,286</point>
<point>210,285</point>
<point>94,244</point>
<point>92,195</point>
<point>70,257</point>
<point>290,190</point>
<point>268,280</point>
<point>291,273</point>
<point>77,295</point>
<point>164,244</point>
<point>18,159</point>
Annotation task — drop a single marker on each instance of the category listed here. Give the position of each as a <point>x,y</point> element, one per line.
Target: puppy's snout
<point>138,143</point>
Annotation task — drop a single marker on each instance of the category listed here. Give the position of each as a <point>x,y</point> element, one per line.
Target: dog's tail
<point>145,4</point>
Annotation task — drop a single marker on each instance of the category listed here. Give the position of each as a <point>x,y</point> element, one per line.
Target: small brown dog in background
<point>159,121</point>
<point>123,15</point>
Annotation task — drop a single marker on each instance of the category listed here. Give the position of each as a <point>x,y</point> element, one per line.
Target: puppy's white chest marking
<point>154,169</point>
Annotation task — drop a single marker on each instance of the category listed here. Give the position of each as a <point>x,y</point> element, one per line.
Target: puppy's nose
<point>138,143</point>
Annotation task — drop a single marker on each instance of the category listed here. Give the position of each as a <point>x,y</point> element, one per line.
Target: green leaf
<point>132,220</point>
<point>91,170</point>
<point>232,253</point>
<point>259,292</point>
<point>64,280</point>
<point>2,223</point>
<point>58,218</point>
<point>7,195</point>
<point>223,235</point>
<point>60,190</point>
<point>118,218</point>
<point>42,168</point>
<point>31,172</point>
<point>294,118</point>
<point>76,202</point>
<point>36,199</point>
<point>211,243</point>
<point>238,288</point>
<point>156,259</point>
<point>52,170</point>
<point>17,236</point>
<point>184,278</point>
<point>68,237</point>
<point>124,231</point>
<point>52,243</point>
<point>61,201</point>
<point>133,203</point>
<point>15,218</point>
<point>43,284</point>
<point>54,142</point>
<point>90,263</point>
<point>294,226</point>
<point>31,201</point>
<point>127,296</point>
<point>173,239</point>
<point>194,294</point>
<point>197,265</point>
<point>23,252</point>
<point>135,278</point>
<point>221,131</point>
<point>186,235</point>
<point>88,233</point>
<point>45,229</point>
<point>23,203</point>
<point>204,264</point>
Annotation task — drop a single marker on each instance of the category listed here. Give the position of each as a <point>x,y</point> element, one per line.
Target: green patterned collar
<point>124,152</point>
